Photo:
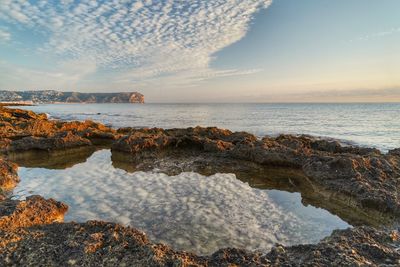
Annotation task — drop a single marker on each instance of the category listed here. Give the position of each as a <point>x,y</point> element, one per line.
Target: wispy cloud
<point>377,35</point>
<point>4,35</point>
<point>68,75</point>
<point>388,94</point>
<point>371,92</point>
<point>141,40</point>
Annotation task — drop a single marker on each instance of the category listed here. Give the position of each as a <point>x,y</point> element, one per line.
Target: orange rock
<point>8,175</point>
<point>35,210</point>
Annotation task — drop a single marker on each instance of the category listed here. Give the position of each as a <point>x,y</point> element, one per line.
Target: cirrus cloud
<point>4,35</point>
<point>140,41</point>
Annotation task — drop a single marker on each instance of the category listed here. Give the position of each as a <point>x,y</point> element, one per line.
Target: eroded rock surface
<point>361,246</point>
<point>22,130</point>
<point>8,175</point>
<point>35,210</point>
<point>107,244</point>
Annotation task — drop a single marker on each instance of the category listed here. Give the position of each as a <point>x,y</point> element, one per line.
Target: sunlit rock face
<point>8,175</point>
<point>35,210</point>
<point>22,130</point>
<point>189,211</point>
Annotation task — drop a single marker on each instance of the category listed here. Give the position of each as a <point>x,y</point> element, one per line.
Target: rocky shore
<point>359,184</point>
<point>52,96</point>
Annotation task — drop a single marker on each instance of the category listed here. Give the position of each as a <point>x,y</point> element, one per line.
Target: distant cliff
<point>51,96</point>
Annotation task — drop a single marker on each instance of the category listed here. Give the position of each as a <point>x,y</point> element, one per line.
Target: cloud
<point>4,35</point>
<point>68,75</point>
<point>388,94</point>
<point>383,92</point>
<point>142,40</point>
<point>377,35</point>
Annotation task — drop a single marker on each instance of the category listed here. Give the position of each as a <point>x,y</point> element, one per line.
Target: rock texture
<point>8,175</point>
<point>35,210</point>
<point>360,246</point>
<point>51,96</point>
<point>107,244</point>
<point>22,130</point>
<point>365,179</point>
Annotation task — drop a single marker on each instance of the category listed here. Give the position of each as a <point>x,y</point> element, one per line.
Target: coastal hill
<point>52,96</point>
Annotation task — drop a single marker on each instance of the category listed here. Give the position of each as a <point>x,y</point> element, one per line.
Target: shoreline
<point>364,175</point>
<point>16,105</point>
<point>353,129</point>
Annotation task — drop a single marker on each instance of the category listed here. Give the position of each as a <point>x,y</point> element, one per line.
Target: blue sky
<point>219,51</point>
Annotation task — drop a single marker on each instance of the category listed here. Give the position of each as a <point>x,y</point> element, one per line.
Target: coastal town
<point>53,96</point>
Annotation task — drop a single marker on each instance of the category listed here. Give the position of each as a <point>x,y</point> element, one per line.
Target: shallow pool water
<point>188,211</point>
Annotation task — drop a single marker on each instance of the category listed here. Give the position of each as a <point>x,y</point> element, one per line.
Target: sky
<point>205,51</point>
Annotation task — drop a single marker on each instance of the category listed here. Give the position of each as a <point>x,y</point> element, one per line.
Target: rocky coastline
<point>359,184</point>
<point>52,96</point>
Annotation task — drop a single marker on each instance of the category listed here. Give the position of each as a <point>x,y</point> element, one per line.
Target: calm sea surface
<point>374,125</point>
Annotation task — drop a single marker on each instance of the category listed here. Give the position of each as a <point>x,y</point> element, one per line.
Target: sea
<point>370,125</point>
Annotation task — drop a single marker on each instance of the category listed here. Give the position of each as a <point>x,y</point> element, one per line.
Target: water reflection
<point>173,162</point>
<point>198,211</point>
<point>52,160</point>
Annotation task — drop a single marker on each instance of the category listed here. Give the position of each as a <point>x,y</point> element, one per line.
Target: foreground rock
<point>35,210</point>
<point>107,244</point>
<point>361,246</point>
<point>22,130</point>
<point>8,175</point>
<point>363,177</point>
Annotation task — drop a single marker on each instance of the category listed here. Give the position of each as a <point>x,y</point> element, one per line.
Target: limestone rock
<point>107,244</point>
<point>35,210</point>
<point>8,175</point>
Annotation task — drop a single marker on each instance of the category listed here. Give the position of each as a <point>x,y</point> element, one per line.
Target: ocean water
<point>188,211</point>
<point>372,125</point>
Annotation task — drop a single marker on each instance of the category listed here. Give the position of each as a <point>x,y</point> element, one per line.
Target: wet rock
<point>8,175</point>
<point>62,141</point>
<point>395,152</point>
<point>5,144</point>
<point>35,210</point>
<point>373,180</point>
